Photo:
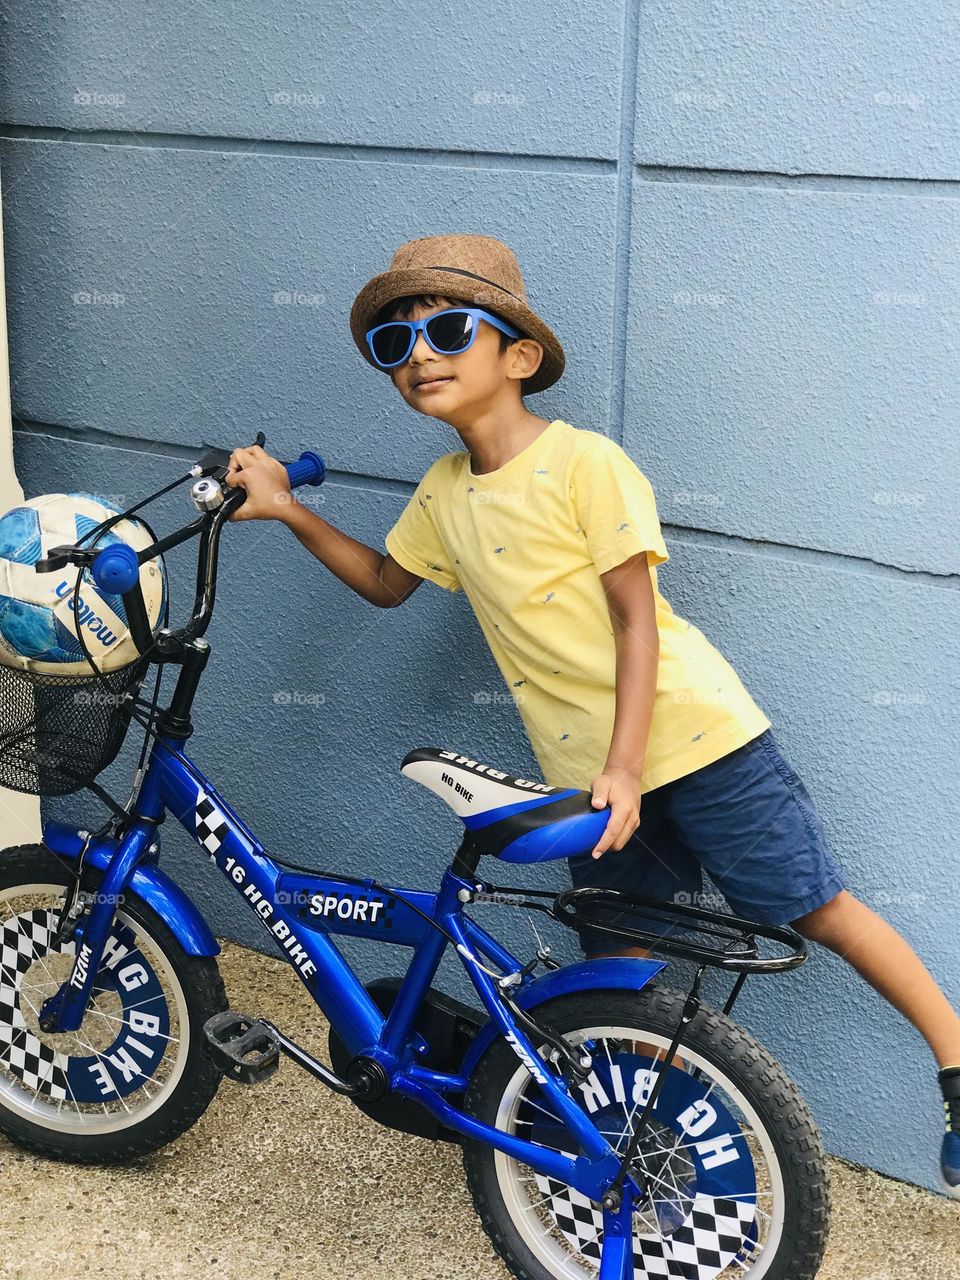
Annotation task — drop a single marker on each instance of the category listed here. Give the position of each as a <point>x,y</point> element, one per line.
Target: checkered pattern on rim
<point>211,825</point>
<point>713,1234</point>
<point>24,939</point>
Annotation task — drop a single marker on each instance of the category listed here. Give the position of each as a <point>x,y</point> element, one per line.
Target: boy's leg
<point>654,863</point>
<point>758,834</point>
<point>885,959</point>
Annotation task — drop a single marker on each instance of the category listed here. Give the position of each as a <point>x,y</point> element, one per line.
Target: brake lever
<point>60,557</point>
<point>216,459</point>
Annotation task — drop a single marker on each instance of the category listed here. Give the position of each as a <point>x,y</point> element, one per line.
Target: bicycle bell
<point>206,494</point>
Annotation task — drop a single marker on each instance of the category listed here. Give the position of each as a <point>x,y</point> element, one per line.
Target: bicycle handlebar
<point>308,469</point>
<point>116,569</point>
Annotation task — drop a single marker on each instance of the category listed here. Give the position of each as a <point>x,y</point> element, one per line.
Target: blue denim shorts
<point>747,819</point>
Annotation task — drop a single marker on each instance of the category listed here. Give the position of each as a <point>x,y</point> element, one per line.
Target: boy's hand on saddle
<point>265,480</point>
<point>619,789</point>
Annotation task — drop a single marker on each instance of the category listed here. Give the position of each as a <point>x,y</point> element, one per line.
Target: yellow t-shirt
<point>527,544</point>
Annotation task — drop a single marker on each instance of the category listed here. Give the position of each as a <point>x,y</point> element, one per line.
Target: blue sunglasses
<point>449,333</point>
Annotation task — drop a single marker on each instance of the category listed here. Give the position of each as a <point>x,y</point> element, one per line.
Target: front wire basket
<point>58,732</point>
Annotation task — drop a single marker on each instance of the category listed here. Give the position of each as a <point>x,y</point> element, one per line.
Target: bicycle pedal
<point>243,1048</point>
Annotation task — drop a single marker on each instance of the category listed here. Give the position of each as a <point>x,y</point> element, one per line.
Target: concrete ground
<point>286,1179</point>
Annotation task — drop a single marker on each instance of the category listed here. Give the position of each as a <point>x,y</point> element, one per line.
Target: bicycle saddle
<point>516,820</point>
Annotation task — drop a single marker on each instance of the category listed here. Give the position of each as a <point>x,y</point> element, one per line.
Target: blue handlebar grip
<point>308,469</point>
<point>116,569</point>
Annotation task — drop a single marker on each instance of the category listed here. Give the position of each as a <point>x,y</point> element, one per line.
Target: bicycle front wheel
<point>731,1160</point>
<point>135,1074</point>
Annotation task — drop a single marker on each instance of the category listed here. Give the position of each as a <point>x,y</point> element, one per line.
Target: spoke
<point>638,1104</point>
<point>142,1003</point>
<point>39,956</point>
<point>112,1017</point>
<point>85,1045</point>
<point>623,1103</point>
<point>33,1009</point>
<point>703,1099</point>
<point>544,1200</point>
<point>92,1009</point>
<point>686,1146</point>
<point>99,1057</point>
<point>33,995</point>
<point>674,1195</point>
<point>529,1102</point>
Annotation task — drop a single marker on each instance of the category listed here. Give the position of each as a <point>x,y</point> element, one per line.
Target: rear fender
<point>620,973</point>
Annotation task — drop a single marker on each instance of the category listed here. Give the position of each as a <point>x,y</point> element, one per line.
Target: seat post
<point>466,859</point>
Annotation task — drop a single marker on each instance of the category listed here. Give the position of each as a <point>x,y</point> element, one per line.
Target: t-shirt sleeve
<point>415,541</point>
<point>615,506</point>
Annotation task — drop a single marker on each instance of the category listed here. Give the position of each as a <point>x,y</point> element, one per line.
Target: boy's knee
<point>823,923</point>
<point>636,953</point>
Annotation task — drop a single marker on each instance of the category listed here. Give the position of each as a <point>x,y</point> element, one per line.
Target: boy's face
<point>456,388</point>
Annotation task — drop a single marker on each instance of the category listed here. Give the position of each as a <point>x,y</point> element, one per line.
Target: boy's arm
<point>629,593</point>
<point>376,577</point>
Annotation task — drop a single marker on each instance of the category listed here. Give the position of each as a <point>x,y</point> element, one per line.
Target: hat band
<point>473,276</point>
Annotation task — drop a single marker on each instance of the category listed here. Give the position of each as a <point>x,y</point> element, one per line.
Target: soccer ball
<point>38,625</point>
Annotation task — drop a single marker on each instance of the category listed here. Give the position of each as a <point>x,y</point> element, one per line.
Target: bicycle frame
<point>300,910</point>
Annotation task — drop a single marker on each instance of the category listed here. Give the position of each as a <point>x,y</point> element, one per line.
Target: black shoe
<point>949,1079</point>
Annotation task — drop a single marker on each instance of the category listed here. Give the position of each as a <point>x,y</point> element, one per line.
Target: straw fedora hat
<point>468,268</point>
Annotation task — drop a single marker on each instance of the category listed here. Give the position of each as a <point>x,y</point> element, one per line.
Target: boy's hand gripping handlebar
<point>116,569</point>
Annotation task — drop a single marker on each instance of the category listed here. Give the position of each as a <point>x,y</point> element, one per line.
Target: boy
<point>553,534</point>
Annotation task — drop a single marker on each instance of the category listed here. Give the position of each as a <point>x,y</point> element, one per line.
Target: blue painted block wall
<point>740,219</point>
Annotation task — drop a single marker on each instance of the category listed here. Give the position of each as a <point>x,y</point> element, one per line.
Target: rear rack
<point>725,941</point>
<point>735,949</point>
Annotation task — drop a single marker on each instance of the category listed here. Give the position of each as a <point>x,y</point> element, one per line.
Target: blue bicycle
<point>610,1126</point>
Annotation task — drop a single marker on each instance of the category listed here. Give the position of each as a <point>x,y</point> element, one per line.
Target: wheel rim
<point>128,1053</point>
<point>713,1223</point>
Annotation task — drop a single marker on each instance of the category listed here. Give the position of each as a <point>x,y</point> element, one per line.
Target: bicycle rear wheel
<point>135,1074</point>
<point>731,1158</point>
